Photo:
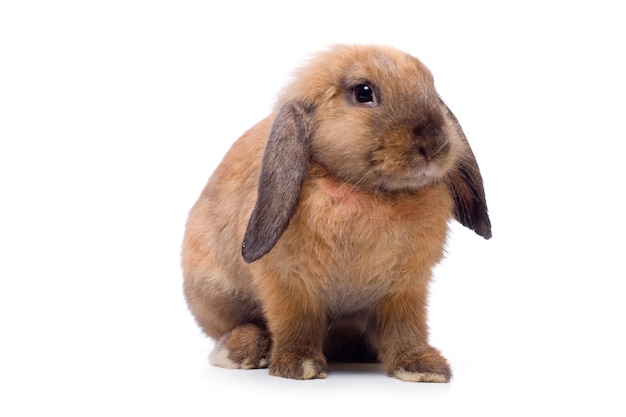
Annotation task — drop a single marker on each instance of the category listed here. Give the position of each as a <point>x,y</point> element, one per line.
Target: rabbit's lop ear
<point>283,170</point>
<point>466,184</point>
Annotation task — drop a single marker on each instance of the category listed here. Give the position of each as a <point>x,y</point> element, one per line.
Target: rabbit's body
<point>337,257</point>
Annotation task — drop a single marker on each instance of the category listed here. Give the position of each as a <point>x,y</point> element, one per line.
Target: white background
<point>113,115</point>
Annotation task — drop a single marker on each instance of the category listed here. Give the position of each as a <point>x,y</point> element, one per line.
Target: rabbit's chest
<point>357,247</point>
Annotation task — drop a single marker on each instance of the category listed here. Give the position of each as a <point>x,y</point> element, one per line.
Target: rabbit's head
<point>371,117</point>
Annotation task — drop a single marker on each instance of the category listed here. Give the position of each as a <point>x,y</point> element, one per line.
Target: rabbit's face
<point>380,123</point>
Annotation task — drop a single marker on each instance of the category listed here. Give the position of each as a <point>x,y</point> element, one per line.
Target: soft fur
<point>315,238</point>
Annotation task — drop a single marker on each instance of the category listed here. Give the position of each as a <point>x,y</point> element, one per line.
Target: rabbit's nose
<point>430,141</point>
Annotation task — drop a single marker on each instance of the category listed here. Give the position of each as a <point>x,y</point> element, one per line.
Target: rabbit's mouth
<point>406,174</point>
<point>421,177</point>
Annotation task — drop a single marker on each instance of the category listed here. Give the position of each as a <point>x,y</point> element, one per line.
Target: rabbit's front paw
<point>425,365</point>
<point>298,365</point>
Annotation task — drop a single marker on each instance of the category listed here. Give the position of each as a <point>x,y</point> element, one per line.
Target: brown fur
<point>341,208</point>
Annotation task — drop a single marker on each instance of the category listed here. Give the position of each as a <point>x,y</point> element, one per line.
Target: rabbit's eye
<point>364,93</point>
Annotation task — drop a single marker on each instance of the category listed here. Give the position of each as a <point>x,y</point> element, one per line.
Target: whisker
<point>356,184</point>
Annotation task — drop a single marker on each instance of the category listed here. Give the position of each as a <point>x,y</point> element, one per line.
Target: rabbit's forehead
<point>396,74</point>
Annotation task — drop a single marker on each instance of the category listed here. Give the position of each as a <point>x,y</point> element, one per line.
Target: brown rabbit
<point>340,200</point>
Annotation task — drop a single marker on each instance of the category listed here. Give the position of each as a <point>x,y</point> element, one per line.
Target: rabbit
<point>315,238</point>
